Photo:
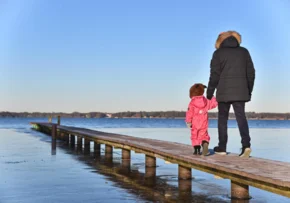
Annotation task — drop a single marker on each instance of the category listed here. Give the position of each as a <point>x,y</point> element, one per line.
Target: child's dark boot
<point>196,150</point>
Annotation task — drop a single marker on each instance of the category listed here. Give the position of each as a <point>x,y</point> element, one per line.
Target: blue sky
<point>93,55</point>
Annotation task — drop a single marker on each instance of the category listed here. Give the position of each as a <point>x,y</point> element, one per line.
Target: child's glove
<point>188,125</point>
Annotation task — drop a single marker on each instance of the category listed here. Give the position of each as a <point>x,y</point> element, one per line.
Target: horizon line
<point>125,112</point>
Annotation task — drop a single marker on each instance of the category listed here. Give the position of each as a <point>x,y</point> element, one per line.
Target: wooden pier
<point>145,185</point>
<point>273,176</point>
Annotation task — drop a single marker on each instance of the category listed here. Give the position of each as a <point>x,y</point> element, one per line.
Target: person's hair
<point>196,90</point>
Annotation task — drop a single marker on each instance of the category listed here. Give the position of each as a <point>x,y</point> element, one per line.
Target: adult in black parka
<point>232,74</point>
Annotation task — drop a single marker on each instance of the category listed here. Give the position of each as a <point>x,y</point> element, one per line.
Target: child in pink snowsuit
<point>197,118</point>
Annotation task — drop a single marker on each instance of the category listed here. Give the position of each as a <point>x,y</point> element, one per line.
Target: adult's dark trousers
<point>223,116</point>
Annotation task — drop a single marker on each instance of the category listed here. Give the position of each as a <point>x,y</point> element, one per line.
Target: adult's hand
<point>209,97</point>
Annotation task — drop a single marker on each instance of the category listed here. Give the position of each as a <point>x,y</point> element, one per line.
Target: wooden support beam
<point>150,161</point>
<point>72,140</point>
<point>87,146</point>
<point>150,172</point>
<point>87,142</point>
<point>108,149</point>
<point>109,154</point>
<point>184,173</point>
<point>126,154</point>
<point>66,137</point>
<point>53,139</point>
<point>97,146</point>
<point>126,159</point>
<point>79,142</point>
<point>239,191</point>
<point>97,149</point>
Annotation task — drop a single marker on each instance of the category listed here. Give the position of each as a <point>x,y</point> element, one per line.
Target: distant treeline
<point>141,114</point>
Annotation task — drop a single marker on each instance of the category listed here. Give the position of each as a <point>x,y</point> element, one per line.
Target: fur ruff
<point>222,36</point>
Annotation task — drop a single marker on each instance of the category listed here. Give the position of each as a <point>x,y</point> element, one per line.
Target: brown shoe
<point>205,151</point>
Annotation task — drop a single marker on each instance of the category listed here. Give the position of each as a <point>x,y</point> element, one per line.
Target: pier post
<point>58,134</point>
<point>53,139</point>
<point>72,140</point>
<point>53,131</point>
<point>79,142</point>
<point>62,136</point>
<point>150,161</point>
<point>150,167</point>
<point>108,152</point>
<point>185,190</point>
<point>58,120</point>
<point>184,173</point>
<point>66,137</point>
<point>126,159</point>
<point>239,191</point>
<point>97,149</point>
<point>150,172</point>
<point>184,186</point>
<point>184,183</point>
<point>87,142</point>
<point>126,154</point>
<point>150,176</point>
<point>87,146</point>
<point>108,149</point>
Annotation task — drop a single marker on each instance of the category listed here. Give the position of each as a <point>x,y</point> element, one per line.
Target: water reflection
<point>53,146</point>
<point>53,140</point>
<point>146,186</point>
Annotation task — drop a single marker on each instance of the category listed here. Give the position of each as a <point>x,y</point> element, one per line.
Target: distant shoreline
<point>270,119</point>
<point>140,114</point>
<point>177,118</point>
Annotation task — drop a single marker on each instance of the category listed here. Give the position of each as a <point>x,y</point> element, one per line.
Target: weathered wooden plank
<point>266,174</point>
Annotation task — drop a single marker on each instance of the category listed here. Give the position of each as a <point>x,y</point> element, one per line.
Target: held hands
<point>189,125</point>
<point>209,97</point>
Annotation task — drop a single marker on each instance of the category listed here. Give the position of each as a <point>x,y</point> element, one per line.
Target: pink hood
<point>199,102</point>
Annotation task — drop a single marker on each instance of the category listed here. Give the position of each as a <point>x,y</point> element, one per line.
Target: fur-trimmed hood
<point>222,36</point>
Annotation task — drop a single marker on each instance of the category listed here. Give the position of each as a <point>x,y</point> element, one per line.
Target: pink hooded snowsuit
<point>198,117</point>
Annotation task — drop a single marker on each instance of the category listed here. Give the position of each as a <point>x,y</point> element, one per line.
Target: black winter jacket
<point>232,72</point>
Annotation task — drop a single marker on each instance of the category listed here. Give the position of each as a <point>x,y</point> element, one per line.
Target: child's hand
<point>188,125</point>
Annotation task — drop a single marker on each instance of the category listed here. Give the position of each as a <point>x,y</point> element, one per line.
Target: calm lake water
<point>29,172</point>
